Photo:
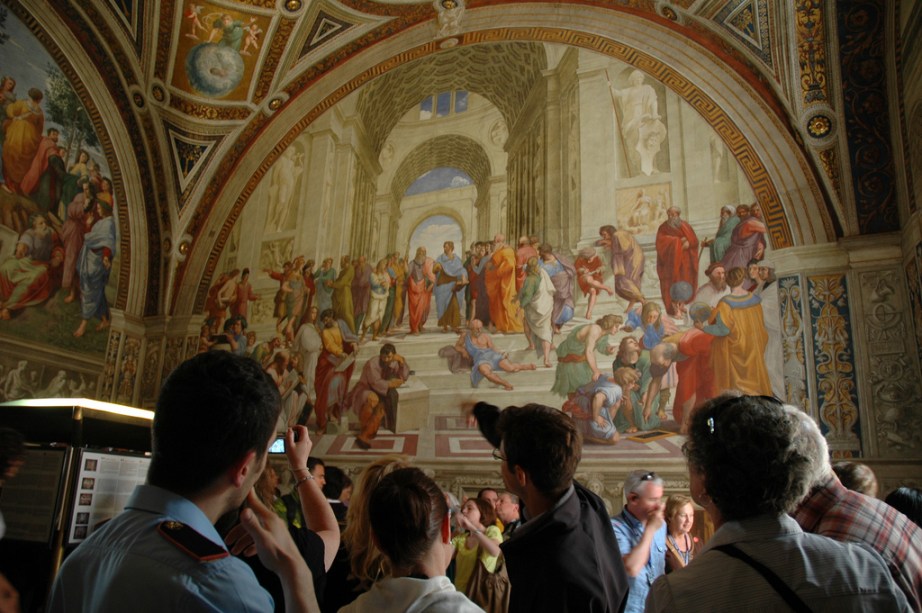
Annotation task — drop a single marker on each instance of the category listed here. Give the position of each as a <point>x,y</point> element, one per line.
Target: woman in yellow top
<point>475,514</point>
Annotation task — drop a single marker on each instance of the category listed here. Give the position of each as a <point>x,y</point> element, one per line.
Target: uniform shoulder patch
<point>190,541</point>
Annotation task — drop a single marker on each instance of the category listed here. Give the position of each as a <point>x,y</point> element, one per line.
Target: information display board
<point>105,481</point>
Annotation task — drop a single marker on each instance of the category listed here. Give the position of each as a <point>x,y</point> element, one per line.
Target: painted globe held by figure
<point>213,69</point>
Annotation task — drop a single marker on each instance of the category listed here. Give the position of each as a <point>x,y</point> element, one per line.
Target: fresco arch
<point>744,113</point>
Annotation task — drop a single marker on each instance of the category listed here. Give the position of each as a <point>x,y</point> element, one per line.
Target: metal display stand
<point>42,506</point>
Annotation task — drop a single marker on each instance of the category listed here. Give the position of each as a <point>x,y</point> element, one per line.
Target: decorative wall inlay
<point>793,341</point>
<point>811,50</point>
<point>830,160</point>
<point>819,126</point>
<point>862,42</point>
<point>747,21</point>
<point>833,357</point>
<point>172,355</point>
<point>128,370</point>
<point>914,147</point>
<point>149,374</point>
<point>914,283</point>
<point>896,393</point>
<point>191,347</point>
<point>107,381</point>
<point>325,28</point>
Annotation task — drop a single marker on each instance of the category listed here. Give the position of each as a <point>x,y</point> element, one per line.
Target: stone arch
<point>422,216</point>
<point>452,150</point>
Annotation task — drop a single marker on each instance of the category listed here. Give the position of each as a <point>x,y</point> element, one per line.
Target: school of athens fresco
<point>670,276</point>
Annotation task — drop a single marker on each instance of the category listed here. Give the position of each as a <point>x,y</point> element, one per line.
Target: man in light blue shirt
<point>215,417</point>
<point>641,532</point>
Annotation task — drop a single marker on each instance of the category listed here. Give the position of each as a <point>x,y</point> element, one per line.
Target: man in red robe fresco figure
<point>500,280</point>
<point>589,276</point>
<point>420,281</point>
<point>334,370</point>
<point>693,364</point>
<point>676,254</point>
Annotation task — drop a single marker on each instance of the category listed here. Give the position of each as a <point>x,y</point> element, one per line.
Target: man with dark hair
<point>375,397</point>
<point>215,417</point>
<point>333,489</point>
<point>489,495</point>
<point>564,557</point>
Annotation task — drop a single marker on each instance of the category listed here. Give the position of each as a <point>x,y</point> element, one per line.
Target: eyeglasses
<point>650,476</point>
<point>498,455</point>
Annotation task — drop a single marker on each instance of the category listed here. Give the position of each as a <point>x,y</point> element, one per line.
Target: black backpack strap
<point>794,601</point>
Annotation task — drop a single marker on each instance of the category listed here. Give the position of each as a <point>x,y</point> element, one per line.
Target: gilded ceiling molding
<point>190,155</point>
<point>267,71</point>
<point>748,22</point>
<point>811,50</point>
<point>325,28</point>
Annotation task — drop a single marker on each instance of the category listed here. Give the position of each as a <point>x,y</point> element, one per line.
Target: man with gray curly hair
<point>832,510</point>
<point>748,467</point>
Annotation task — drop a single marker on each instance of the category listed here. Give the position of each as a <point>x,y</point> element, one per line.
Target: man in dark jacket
<point>564,557</point>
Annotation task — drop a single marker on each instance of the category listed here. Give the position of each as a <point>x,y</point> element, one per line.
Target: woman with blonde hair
<point>359,562</point>
<point>681,546</point>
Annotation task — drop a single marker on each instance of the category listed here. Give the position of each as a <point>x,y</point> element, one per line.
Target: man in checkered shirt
<point>833,511</point>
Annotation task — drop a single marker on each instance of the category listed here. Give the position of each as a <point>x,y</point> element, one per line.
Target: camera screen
<point>278,446</point>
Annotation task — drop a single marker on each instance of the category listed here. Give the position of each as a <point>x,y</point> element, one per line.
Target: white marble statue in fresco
<point>641,129</point>
<point>449,14</point>
<point>285,174</point>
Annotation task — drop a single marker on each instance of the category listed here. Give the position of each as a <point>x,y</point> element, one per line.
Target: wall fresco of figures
<point>58,233</point>
<point>664,296</point>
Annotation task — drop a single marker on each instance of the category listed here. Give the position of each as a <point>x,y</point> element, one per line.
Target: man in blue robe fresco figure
<point>449,288</point>
<point>93,266</point>
<point>477,345</point>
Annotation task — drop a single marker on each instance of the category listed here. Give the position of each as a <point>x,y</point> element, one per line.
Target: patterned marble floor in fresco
<point>445,435</point>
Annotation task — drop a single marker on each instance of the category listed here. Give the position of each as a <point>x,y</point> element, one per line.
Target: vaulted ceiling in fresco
<point>503,74</point>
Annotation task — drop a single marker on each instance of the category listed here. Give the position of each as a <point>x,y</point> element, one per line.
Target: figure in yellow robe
<point>500,281</point>
<point>738,359</point>
<point>24,123</point>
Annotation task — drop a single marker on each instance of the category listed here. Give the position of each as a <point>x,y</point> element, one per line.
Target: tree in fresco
<point>63,107</point>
